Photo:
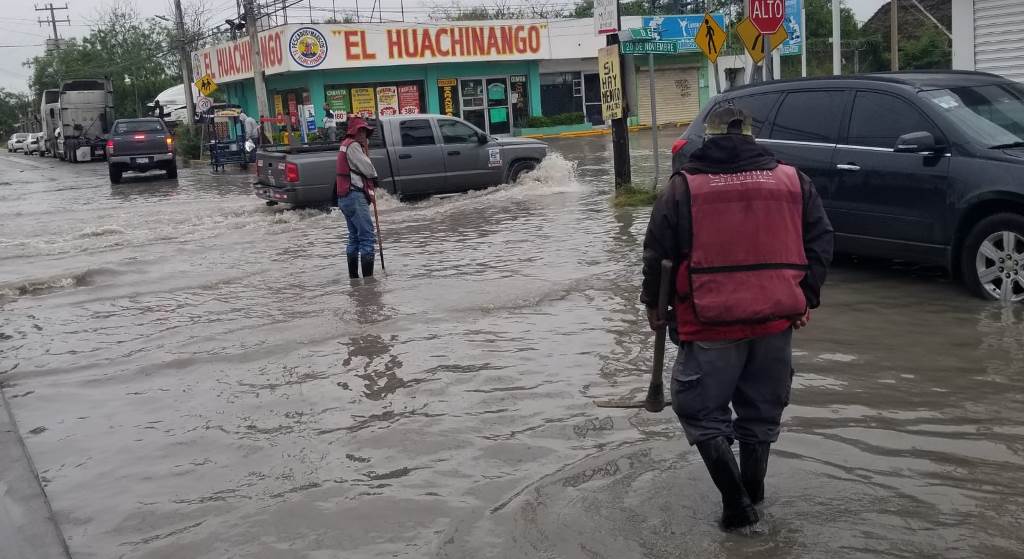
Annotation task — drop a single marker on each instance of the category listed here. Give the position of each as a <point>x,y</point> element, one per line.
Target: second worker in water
<point>751,246</point>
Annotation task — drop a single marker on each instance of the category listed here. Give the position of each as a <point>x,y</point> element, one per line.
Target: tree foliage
<point>15,109</point>
<point>135,53</point>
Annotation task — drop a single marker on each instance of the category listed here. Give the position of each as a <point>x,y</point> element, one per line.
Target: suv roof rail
<point>912,78</point>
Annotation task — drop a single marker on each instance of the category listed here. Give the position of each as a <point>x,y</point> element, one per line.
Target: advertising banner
<point>278,105</point>
<point>795,43</point>
<point>448,96</point>
<point>363,102</point>
<point>387,100</point>
<point>682,29</point>
<point>293,110</point>
<point>606,16</point>
<point>338,101</point>
<point>409,99</point>
<point>611,82</point>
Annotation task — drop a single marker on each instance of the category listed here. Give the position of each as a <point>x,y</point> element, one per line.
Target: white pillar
<point>963,35</point>
<point>837,54</point>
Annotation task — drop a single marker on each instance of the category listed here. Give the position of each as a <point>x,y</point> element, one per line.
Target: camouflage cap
<point>728,120</point>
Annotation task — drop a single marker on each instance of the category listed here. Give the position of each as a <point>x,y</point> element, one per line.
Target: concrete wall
<point>963,35</point>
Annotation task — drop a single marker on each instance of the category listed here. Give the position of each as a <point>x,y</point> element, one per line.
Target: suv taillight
<point>679,144</point>
<point>170,144</point>
<point>110,147</point>
<point>291,172</point>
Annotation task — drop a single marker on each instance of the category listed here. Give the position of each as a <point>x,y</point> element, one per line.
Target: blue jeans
<point>360,225</point>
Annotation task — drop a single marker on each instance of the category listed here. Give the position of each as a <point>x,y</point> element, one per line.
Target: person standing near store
<point>751,245</point>
<point>330,124</point>
<point>251,127</point>
<point>355,182</point>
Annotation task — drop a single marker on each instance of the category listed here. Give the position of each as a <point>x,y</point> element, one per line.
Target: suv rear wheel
<point>992,261</point>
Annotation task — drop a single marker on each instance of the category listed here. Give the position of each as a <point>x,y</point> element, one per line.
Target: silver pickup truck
<point>415,156</point>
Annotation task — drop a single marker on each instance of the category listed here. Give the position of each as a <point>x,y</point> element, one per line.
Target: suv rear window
<point>809,116</point>
<point>138,126</point>
<point>758,107</point>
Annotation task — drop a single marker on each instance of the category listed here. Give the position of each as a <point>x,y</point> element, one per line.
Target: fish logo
<point>308,47</point>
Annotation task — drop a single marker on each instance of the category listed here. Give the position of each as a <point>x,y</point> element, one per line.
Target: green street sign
<point>642,33</point>
<point>649,47</point>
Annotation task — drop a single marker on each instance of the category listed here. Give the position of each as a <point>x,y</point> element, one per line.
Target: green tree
<point>15,109</point>
<point>135,53</point>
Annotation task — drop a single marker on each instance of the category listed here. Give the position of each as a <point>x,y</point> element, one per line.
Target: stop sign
<point>767,15</point>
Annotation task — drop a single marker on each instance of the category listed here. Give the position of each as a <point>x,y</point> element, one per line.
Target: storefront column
<point>315,83</point>
<point>433,101</point>
<point>534,84</point>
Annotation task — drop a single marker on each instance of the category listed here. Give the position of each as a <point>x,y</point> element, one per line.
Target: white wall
<point>963,35</point>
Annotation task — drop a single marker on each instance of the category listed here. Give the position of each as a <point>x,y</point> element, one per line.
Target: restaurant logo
<point>308,47</point>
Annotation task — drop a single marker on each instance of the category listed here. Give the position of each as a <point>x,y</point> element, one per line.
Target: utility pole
<point>837,46</point>
<point>186,63</point>
<point>257,63</point>
<point>894,46</point>
<point>53,21</point>
<point>620,131</point>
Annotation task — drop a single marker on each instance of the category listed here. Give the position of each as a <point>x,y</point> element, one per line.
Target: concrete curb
<point>28,529</point>
<point>601,131</point>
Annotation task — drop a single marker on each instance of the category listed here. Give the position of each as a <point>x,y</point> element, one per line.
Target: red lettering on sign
<point>459,42</point>
<point>476,45</point>
<point>208,65</point>
<point>438,43</point>
<point>350,37</point>
<point>394,44</point>
<point>427,45</point>
<point>493,46</point>
<point>506,40</point>
<point>412,43</point>
<point>533,39</point>
<point>367,55</point>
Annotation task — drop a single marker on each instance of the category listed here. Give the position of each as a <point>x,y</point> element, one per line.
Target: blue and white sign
<point>682,29</point>
<point>795,43</point>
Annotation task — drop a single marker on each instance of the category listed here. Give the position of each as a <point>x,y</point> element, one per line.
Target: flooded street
<point>195,376</point>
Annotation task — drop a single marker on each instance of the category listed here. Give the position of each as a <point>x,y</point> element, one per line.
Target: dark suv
<point>919,166</point>
<point>140,145</point>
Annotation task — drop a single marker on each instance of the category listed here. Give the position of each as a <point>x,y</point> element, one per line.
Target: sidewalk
<point>27,527</point>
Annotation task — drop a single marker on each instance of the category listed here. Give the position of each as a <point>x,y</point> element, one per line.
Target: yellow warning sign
<point>752,39</point>
<point>206,85</point>
<point>710,38</point>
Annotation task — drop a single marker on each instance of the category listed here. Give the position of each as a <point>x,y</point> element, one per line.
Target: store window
<point>371,100</point>
<point>560,93</point>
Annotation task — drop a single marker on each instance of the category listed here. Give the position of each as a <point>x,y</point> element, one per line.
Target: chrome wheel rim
<point>1000,266</point>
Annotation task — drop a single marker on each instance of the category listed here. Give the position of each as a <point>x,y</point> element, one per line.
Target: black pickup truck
<point>140,145</point>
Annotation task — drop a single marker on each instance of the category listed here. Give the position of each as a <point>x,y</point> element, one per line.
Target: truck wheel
<point>519,169</point>
<point>172,171</point>
<point>115,174</point>
<point>992,258</point>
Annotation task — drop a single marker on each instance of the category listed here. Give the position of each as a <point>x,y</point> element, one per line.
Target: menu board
<point>293,110</point>
<point>387,100</point>
<point>278,105</point>
<point>449,96</point>
<point>409,99</point>
<point>338,101</point>
<point>363,101</point>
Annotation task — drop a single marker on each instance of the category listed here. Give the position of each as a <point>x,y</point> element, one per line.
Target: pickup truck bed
<point>415,156</point>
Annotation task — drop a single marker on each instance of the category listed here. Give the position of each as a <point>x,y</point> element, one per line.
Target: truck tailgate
<point>141,143</point>
<point>270,168</point>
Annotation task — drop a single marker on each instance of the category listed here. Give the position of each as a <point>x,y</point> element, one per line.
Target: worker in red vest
<point>354,185</point>
<point>751,246</point>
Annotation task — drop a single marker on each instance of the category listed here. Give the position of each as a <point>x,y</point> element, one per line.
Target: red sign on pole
<point>767,15</point>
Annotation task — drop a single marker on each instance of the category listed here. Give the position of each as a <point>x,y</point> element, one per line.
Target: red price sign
<point>767,15</point>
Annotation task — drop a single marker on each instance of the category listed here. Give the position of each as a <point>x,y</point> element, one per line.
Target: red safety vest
<point>343,181</point>
<point>747,256</point>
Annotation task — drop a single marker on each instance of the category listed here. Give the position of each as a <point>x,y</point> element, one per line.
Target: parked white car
<point>17,141</point>
<point>34,144</point>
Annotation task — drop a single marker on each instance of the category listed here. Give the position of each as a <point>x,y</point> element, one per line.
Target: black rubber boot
<point>753,467</point>
<point>737,511</point>
<point>368,265</point>
<point>353,266</point>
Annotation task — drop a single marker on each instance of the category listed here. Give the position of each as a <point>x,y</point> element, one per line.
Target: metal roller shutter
<point>999,37</point>
<point>676,92</point>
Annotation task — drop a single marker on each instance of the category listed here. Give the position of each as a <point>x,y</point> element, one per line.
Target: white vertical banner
<point>606,16</point>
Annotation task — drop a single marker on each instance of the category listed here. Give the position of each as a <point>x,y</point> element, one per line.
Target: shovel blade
<point>655,406</point>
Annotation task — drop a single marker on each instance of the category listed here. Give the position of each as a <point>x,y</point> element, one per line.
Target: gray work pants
<point>755,375</point>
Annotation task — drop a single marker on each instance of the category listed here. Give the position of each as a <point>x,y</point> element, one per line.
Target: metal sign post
<point>654,118</point>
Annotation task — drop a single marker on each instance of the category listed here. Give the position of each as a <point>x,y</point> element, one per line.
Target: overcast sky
<point>21,37</point>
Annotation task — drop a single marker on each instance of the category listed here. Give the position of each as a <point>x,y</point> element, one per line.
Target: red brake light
<point>170,143</point>
<point>291,172</point>
<point>678,145</point>
<point>110,146</point>
<point>139,136</point>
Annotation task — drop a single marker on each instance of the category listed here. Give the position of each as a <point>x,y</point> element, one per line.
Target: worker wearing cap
<point>354,184</point>
<point>751,245</point>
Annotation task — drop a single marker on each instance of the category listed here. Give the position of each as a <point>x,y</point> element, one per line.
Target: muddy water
<point>195,377</point>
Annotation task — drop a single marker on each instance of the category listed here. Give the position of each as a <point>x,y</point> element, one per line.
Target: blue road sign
<point>682,29</point>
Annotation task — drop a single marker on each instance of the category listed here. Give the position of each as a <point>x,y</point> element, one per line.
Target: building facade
<point>988,36</point>
<point>496,75</point>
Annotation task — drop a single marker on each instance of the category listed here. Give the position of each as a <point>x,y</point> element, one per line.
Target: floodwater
<point>195,376</point>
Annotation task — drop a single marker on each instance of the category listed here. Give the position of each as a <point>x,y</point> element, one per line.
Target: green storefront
<point>497,97</point>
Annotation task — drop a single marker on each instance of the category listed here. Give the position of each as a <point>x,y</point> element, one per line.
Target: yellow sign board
<point>206,85</point>
<point>611,82</point>
<point>710,38</point>
<point>752,39</point>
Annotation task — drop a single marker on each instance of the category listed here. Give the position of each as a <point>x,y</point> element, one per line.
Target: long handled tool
<point>380,242</point>
<point>655,400</point>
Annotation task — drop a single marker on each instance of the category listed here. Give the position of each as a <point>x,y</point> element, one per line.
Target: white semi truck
<point>49,116</point>
<point>86,114</point>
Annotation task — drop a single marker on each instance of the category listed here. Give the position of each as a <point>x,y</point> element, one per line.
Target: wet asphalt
<point>194,376</point>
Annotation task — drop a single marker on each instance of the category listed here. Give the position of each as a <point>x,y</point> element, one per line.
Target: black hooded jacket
<point>668,233</point>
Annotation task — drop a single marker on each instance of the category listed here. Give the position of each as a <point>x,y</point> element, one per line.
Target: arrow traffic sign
<point>649,47</point>
<point>767,15</point>
<point>710,38</point>
<point>752,39</point>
